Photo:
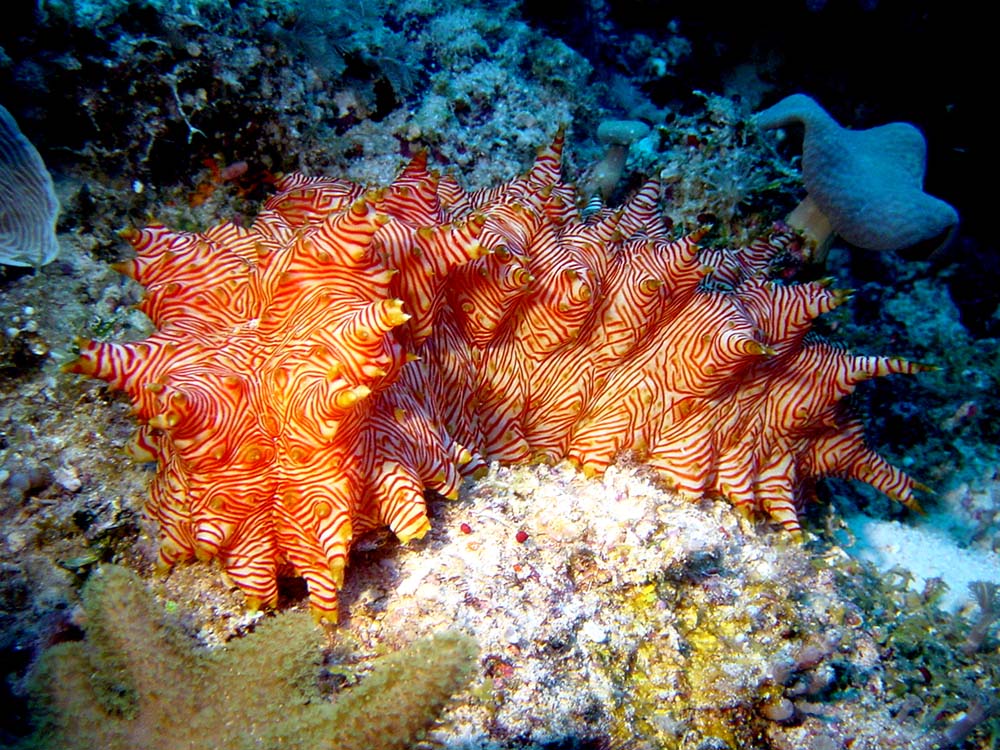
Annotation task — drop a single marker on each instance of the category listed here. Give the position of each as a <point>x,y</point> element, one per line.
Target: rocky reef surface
<point>647,623</point>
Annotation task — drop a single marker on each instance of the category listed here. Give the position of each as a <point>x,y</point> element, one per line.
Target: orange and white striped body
<point>312,375</point>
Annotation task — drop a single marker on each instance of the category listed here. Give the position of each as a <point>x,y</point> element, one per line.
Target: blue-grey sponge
<point>869,183</point>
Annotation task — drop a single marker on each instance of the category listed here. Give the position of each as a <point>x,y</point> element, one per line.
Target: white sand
<point>927,551</point>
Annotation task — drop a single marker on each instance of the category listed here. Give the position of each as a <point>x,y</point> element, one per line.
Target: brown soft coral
<point>138,682</point>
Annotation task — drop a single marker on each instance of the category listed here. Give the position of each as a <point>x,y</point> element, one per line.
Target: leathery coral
<point>313,374</point>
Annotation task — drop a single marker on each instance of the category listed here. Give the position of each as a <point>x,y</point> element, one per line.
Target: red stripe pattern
<point>312,376</point>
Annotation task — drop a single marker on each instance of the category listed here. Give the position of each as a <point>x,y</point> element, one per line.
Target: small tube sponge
<point>28,205</point>
<point>617,135</point>
<point>867,183</point>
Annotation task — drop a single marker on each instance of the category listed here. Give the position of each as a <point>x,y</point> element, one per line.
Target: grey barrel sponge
<point>868,183</point>
<point>28,205</point>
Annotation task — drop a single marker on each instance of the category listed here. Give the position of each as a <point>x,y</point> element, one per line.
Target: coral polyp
<point>312,375</point>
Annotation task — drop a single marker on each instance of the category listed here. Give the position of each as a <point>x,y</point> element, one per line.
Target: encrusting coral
<point>313,374</point>
<point>138,682</point>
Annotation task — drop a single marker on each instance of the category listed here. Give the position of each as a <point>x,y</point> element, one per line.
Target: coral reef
<point>313,374</point>
<point>139,681</point>
<point>187,111</point>
<point>613,613</point>
<point>157,87</point>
